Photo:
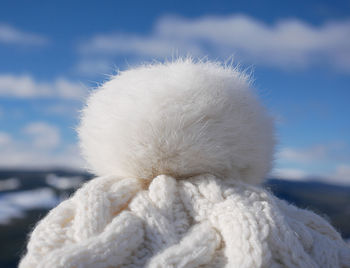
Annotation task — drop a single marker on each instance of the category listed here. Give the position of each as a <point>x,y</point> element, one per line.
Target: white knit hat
<point>181,149</point>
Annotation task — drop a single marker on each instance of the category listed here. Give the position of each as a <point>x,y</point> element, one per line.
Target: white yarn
<point>180,146</point>
<point>180,118</point>
<point>199,222</point>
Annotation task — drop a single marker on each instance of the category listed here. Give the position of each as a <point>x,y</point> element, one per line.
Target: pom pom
<point>180,118</point>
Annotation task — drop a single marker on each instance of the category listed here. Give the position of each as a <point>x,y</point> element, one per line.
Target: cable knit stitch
<point>201,221</point>
<point>181,149</point>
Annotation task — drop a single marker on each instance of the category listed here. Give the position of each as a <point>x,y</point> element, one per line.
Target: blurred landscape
<point>26,197</point>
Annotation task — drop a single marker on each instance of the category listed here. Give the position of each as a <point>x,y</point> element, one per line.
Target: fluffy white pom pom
<point>179,118</point>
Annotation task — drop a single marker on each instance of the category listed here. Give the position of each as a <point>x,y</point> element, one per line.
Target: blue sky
<point>53,52</point>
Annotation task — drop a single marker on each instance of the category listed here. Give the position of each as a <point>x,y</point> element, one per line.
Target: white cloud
<point>285,43</point>
<point>93,66</point>
<point>342,174</point>
<point>335,152</point>
<point>304,155</point>
<point>69,90</point>
<point>289,174</point>
<point>154,45</point>
<point>328,163</point>
<point>39,147</point>
<point>5,139</point>
<point>11,35</point>
<point>43,135</point>
<point>25,86</point>
<point>29,158</point>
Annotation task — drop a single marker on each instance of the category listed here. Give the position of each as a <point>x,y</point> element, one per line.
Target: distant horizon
<point>311,179</point>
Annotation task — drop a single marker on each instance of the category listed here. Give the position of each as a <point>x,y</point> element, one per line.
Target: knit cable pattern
<point>199,222</point>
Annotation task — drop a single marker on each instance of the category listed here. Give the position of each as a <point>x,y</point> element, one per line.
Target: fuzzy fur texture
<point>180,118</point>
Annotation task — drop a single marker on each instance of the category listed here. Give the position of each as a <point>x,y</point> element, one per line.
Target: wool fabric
<point>180,149</point>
